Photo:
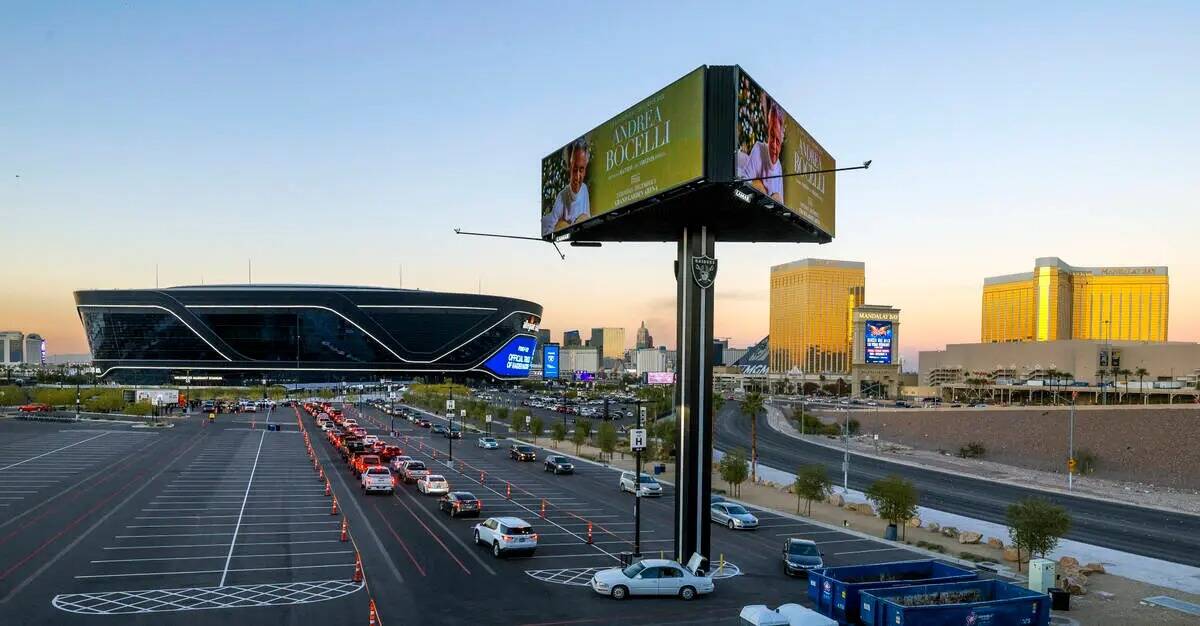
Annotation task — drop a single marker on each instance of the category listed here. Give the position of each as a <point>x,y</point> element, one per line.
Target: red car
<point>35,407</point>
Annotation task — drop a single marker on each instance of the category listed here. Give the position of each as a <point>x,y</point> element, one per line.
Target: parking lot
<point>231,521</point>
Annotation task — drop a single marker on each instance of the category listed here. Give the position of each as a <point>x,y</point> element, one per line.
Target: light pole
<point>637,490</point>
<point>1071,446</point>
<point>846,453</point>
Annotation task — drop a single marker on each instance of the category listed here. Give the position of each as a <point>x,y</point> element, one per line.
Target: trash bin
<point>1060,600</point>
<point>660,468</point>
<point>626,559</point>
<point>890,532</point>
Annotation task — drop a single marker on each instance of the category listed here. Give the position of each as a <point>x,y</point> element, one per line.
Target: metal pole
<point>637,494</point>
<point>1071,448</point>
<point>449,434</point>
<point>846,453</point>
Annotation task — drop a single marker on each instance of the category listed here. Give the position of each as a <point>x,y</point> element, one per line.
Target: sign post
<point>637,441</point>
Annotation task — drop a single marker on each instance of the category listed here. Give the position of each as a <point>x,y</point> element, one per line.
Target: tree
<point>734,469</point>
<point>501,413</point>
<point>1035,525</point>
<point>558,432</point>
<point>894,498</point>
<point>583,430</point>
<point>517,422</point>
<point>751,407</point>
<point>1141,374</point>
<point>606,438</point>
<point>812,483</point>
<point>536,428</point>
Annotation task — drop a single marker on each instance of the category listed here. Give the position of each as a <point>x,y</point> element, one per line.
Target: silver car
<point>651,577</point>
<point>732,515</point>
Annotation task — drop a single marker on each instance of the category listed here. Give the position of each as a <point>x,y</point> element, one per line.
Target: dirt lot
<point>1150,445</point>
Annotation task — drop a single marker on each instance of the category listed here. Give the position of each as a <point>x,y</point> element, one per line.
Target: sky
<point>332,142</point>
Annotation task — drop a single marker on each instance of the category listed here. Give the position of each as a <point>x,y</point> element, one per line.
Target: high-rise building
<point>1058,302</point>
<point>610,342</point>
<point>578,359</point>
<point>650,360</point>
<point>12,344</point>
<point>812,301</point>
<point>644,340</point>
<point>35,349</point>
<point>571,339</point>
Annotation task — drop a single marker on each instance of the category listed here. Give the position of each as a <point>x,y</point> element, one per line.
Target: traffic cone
<point>374,614</point>
<point>328,489</point>
<point>345,530</point>
<point>508,491</point>
<point>543,514</point>
<point>321,474</point>
<point>481,475</point>
<point>358,573</point>
<point>333,510</point>
<point>589,537</point>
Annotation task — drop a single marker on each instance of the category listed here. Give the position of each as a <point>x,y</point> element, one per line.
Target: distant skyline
<point>335,144</point>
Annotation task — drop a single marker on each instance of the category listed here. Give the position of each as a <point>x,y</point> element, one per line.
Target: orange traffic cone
<point>358,573</point>
<point>328,489</point>
<point>374,614</point>
<point>333,510</point>
<point>345,530</point>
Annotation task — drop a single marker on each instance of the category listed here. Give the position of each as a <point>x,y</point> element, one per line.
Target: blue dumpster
<point>834,590</point>
<point>991,602</point>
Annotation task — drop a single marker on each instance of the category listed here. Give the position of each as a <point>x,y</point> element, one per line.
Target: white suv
<point>378,478</point>
<point>648,488</point>
<point>506,534</point>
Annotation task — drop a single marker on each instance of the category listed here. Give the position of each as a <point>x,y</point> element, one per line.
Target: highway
<point>1149,532</point>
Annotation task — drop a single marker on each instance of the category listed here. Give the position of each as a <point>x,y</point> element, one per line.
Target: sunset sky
<point>336,142</point>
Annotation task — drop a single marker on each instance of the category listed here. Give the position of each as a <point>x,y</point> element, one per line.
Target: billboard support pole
<point>695,270</point>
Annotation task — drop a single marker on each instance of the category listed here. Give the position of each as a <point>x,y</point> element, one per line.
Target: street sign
<point>450,415</point>
<point>487,418</point>
<point>462,413</point>
<point>528,418</point>
<point>449,405</point>
<point>642,410</point>
<point>1071,465</point>
<point>637,439</point>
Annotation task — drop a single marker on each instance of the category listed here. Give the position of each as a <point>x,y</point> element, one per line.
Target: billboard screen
<point>660,378</point>
<point>653,146</point>
<point>584,377</point>
<point>550,361</point>
<point>878,337</point>
<point>514,359</point>
<point>771,144</point>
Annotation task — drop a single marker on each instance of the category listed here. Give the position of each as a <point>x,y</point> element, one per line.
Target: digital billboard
<point>584,377</point>
<point>878,338</point>
<point>771,147</point>
<point>514,359</point>
<point>550,361</point>
<point>653,146</point>
<point>660,378</point>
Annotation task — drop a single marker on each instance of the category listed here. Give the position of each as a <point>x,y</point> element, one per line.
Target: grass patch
<point>931,546</point>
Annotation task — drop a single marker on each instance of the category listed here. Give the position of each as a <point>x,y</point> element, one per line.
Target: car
<point>649,486</point>
<point>378,478</point>
<point>713,499</point>
<point>487,443</point>
<point>651,577</point>
<point>438,429</point>
<point>458,503</point>
<point>398,461</point>
<point>800,556</point>
<point>390,452</point>
<point>506,535</point>
<point>362,462</point>
<point>370,440</point>
<point>414,471</point>
<point>522,452</point>
<point>453,433</point>
<point>424,423</point>
<point>34,407</point>
<point>558,464</point>
<point>432,484</point>
<point>733,515</point>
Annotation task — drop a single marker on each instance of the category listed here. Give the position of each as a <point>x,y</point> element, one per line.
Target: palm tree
<point>1141,374</point>
<point>1126,373</point>
<point>751,407</point>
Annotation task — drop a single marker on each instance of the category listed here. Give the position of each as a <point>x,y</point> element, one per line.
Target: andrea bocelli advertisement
<point>772,147</point>
<point>653,146</point>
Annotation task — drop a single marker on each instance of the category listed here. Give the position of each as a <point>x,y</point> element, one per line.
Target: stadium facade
<point>247,334</point>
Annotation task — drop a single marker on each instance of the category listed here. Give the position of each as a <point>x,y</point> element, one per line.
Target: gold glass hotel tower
<point>811,304</point>
<point>1057,301</point>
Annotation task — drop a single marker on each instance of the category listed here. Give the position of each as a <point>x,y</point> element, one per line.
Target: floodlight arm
<point>459,231</point>
<point>866,165</point>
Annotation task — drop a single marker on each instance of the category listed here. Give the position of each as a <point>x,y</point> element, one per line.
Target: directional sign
<point>462,412</point>
<point>528,418</point>
<point>449,405</point>
<point>637,439</point>
<point>642,409</point>
<point>487,418</point>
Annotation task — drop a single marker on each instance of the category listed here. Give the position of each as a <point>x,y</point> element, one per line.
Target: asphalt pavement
<point>1138,530</point>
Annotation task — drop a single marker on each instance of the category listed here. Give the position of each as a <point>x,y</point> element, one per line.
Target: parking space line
<point>240,556</point>
<point>246,497</point>
<point>248,569</point>
<point>53,451</point>
<point>872,550</point>
<point>814,532</point>
<point>270,532</point>
<point>216,545</point>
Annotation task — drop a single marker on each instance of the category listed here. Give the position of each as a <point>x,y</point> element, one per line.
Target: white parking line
<point>244,499</point>
<point>813,532</point>
<point>222,544</point>
<point>240,556</point>
<point>274,532</point>
<point>866,551</point>
<point>226,571</point>
<point>53,451</point>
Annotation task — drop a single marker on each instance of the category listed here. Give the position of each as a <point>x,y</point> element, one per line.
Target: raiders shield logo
<point>704,271</point>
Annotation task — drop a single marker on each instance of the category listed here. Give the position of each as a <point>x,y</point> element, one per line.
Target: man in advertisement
<point>572,204</point>
<point>762,165</point>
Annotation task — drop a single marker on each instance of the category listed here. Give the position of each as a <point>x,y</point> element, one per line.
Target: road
<point>1149,532</point>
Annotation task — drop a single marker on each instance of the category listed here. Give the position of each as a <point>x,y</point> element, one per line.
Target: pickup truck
<point>364,461</point>
<point>414,471</point>
<point>378,478</point>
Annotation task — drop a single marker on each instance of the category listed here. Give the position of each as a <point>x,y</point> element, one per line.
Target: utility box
<point>1043,574</point>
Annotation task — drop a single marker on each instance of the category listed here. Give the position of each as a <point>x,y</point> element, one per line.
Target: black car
<point>458,503</point>
<point>453,433</point>
<point>800,556</point>
<point>558,464</point>
<point>521,452</point>
<point>438,429</point>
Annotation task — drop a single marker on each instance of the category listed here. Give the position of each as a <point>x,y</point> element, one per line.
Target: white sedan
<point>433,484</point>
<point>488,443</point>
<point>651,577</point>
<point>370,440</point>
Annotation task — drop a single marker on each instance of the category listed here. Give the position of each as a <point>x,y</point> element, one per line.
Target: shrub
<point>1087,461</point>
<point>930,546</point>
<point>973,450</point>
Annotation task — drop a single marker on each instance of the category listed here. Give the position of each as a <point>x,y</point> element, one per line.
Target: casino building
<point>245,334</point>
